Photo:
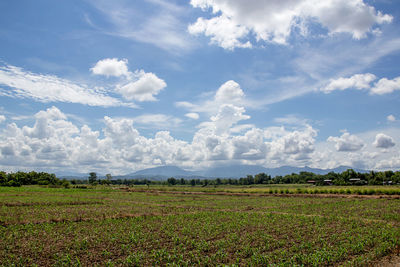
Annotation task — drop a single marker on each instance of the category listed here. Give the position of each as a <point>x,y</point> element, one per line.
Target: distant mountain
<point>164,171</point>
<point>161,173</point>
<point>72,175</point>
<point>233,171</point>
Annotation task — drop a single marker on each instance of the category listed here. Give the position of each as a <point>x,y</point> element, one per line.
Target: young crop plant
<point>259,227</point>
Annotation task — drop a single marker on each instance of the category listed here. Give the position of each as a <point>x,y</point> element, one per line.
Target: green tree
<point>92,178</point>
<point>171,181</point>
<point>108,179</point>
<point>3,178</point>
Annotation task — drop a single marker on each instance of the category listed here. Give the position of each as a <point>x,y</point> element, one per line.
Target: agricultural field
<point>185,226</point>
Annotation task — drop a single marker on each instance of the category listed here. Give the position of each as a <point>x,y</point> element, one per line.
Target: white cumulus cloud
<point>391,118</point>
<point>363,81</point>
<point>273,21</point>
<point>54,142</point>
<point>346,142</point>
<point>111,67</point>
<point>357,81</point>
<point>383,141</point>
<point>222,30</point>
<point>386,86</point>
<point>144,88</point>
<point>229,92</point>
<point>2,118</point>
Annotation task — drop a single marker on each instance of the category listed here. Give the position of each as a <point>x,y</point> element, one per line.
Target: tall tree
<point>92,178</point>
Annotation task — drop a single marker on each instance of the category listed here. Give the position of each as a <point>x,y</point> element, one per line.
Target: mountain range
<point>233,171</point>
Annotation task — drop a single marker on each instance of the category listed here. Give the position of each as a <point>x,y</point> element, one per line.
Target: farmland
<point>183,225</point>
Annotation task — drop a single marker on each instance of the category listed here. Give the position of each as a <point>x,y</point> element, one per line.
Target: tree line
<point>348,177</point>
<point>31,178</point>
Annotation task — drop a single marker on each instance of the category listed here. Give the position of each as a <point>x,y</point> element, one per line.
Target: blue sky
<point>118,86</point>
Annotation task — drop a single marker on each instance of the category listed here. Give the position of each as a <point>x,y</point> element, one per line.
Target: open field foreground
<point>141,226</point>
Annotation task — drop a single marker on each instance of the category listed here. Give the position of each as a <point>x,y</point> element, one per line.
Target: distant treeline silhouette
<point>348,177</point>
<point>30,178</point>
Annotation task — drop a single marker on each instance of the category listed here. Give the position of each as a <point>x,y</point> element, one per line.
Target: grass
<point>284,189</point>
<point>107,226</point>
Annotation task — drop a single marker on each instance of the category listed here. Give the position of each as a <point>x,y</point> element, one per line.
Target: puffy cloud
<point>144,88</point>
<point>111,67</point>
<point>386,86</point>
<point>357,81</point>
<point>227,116</point>
<point>140,85</point>
<point>2,118</point>
<point>346,142</point>
<point>222,30</point>
<point>390,163</point>
<point>391,118</point>
<point>53,142</point>
<point>121,132</point>
<point>229,93</point>
<point>192,115</point>
<point>298,142</point>
<point>274,21</point>
<point>290,146</point>
<point>48,88</point>
<point>383,141</point>
<point>363,81</point>
<point>250,146</point>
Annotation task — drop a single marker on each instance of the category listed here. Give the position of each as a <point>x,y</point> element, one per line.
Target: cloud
<point>161,27</point>
<point>48,88</point>
<point>346,142</point>
<point>386,86</point>
<point>192,115</point>
<point>391,118</point>
<point>357,81</point>
<point>383,141</point>
<point>157,121</point>
<point>111,67</point>
<point>290,146</point>
<point>222,30</point>
<point>391,163</point>
<point>139,85</point>
<point>291,120</point>
<point>144,88</point>
<point>54,142</point>
<point>274,21</point>
<point>229,92</point>
<point>363,81</point>
<point>2,118</point>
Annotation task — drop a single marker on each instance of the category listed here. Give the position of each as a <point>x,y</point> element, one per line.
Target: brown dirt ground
<point>392,260</point>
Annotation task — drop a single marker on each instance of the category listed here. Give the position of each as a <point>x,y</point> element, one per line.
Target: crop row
<point>65,227</point>
<point>202,238</point>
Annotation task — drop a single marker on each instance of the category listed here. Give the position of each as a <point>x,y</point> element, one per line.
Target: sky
<point>119,86</point>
